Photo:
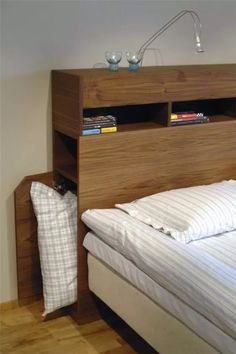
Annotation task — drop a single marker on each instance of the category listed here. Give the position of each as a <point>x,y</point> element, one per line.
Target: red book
<point>186,115</point>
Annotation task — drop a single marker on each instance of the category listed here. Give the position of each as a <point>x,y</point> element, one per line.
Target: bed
<point>154,313</point>
<point>186,267</point>
<point>139,163</point>
<point>111,265</point>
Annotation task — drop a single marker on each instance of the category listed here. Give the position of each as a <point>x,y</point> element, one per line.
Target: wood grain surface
<point>102,87</point>
<point>123,167</point>
<point>24,331</point>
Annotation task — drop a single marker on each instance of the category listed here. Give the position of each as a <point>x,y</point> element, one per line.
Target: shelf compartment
<point>129,127</point>
<point>65,157</point>
<point>68,172</point>
<point>133,114</point>
<point>211,107</point>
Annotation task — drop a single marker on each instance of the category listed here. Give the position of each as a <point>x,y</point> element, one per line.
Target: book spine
<point>185,115</point>
<point>108,130</point>
<point>190,121</point>
<point>91,131</point>
<point>99,120</point>
<point>98,125</point>
<point>186,119</point>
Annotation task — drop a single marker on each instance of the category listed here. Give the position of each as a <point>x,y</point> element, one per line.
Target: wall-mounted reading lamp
<point>135,58</point>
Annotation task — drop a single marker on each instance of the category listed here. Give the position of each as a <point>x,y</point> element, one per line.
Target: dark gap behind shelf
<point>224,106</point>
<point>157,112</point>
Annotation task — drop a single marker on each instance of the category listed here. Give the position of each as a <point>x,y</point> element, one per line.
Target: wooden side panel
<point>28,264</point>
<point>66,103</point>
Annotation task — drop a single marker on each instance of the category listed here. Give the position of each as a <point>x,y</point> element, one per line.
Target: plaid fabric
<point>57,230</point>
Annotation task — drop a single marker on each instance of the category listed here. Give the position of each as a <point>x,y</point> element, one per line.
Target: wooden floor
<point>24,332</point>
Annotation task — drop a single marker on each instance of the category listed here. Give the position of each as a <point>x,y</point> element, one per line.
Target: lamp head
<point>199,48</point>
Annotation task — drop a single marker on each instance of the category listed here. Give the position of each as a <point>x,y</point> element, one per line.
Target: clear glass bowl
<point>113,58</point>
<point>134,59</point>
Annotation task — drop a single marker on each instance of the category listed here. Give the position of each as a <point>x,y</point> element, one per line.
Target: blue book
<point>91,131</point>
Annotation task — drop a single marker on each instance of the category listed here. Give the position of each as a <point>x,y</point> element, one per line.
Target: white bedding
<point>221,247</point>
<point>199,324</point>
<point>198,277</point>
<point>188,214</point>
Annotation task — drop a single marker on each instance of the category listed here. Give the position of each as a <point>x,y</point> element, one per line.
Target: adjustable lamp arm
<point>197,30</point>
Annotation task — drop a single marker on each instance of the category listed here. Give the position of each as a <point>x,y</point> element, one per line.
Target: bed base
<point>159,328</point>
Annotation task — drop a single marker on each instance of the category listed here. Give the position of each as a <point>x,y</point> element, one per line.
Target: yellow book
<point>173,116</point>
<point>109,130</point>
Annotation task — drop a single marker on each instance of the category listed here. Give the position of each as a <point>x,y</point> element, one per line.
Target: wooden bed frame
<point>137,161</point>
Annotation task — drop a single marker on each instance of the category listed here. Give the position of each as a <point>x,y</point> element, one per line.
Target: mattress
<point>198,323</point>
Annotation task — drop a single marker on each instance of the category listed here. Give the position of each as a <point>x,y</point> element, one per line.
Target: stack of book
<point>181,118</point>
<point>99,125</point>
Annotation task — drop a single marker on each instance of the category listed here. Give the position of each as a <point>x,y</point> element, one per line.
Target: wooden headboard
<point>131,163</point>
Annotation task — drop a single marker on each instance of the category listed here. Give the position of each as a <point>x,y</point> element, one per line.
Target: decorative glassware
<point>134,58</point>
<point>113,58</point>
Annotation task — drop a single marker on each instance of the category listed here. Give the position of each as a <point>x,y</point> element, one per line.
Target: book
<point>185,119</point>
<point>107,120</point>
<point>108,130</point>
<point>186,115</point>
<point>91,131</point>
<point>203,119</point>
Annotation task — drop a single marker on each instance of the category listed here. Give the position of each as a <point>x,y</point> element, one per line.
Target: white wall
<point>37,36</point>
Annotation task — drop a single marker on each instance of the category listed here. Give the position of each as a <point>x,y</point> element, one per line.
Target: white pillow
<point>57,235</point>
<point>188,214</point>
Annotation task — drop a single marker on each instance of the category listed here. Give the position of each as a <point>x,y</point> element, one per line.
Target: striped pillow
<point>188,214</point>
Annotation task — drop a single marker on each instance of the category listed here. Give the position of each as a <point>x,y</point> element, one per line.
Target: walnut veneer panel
<point>29,278</point>
<point>102,87</point>
<point>66,102</point>
<point>122,167</point>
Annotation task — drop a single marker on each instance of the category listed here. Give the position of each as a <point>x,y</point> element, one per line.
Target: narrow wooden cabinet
<point>101,168</point>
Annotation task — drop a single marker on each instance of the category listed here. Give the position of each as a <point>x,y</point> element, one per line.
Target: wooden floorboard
<point>24,332</point>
